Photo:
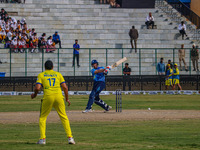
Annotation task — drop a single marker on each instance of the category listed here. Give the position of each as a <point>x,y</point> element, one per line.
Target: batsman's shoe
<point>108,108</point>
<point>41,141</point>
<point>71,140</point>
<point>87,111</point>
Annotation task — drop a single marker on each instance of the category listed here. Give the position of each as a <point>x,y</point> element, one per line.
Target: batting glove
<point>109,67</point>
<point>106,72</point>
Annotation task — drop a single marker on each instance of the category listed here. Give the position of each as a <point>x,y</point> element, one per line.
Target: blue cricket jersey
<point>169,73</point>
<point>76,46</point>
<point>98,76</point>
<point>176,74</point>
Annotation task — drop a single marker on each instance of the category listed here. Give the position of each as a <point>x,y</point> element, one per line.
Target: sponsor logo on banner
<point>7,93</point>
<point>104,93</point>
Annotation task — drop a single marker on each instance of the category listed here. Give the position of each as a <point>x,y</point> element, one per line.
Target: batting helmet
<point>94,62</point>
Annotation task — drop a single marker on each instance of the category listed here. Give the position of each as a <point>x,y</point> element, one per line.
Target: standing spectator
<point>181,54</point>
<point>161,67</point>
<point>126,70</point>
<point>171,65</point>
<point>76,47</point>
<point>195,57</point>
<point>133,33</point>
<point>182,29</point>
<point>149,21</point>
<point>56,39</point>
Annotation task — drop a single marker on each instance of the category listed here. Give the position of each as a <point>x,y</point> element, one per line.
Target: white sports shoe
<point>109,108</point>
<point>41,141</point>
<point>71,140</point>
<point>87,110</point>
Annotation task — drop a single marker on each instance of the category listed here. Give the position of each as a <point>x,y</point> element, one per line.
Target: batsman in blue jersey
<point>98,74</point>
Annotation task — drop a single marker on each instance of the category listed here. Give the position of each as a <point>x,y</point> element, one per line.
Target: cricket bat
<point>119,62</point>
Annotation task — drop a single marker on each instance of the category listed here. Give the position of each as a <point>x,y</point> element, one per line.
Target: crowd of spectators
<point>12,1</point>
<point>15,34</point>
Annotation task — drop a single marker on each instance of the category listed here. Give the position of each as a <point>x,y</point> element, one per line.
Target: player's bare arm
<point>65,89</point>
<point>37,89</point>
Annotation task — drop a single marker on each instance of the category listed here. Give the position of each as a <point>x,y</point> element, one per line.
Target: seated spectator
<point>101,1</point>
<point>30,45</point>
<point>56,39</point>
<point>13,45</point>
<point>43,44</point>
<point>7,44</point>
<point>18,25</point>
<point>161,67</point>
<point>50,45</point>
<point>149,21</point>
<point>40,39</point>
<point>23,21</point>
<point>3,12</point>
<point>32,32</point>
<point>14,26</point>
<point>2,35</point>
<point>35,39</point>
<point>113,4</point>
<point>182,29</point>
<point>126,70</point>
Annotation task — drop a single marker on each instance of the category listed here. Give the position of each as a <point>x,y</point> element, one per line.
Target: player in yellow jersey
<point>168,80</point>
<point>51,81</point>
<point>176,77</point>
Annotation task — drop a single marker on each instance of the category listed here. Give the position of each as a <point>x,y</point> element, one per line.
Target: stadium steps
<point>96,26</point>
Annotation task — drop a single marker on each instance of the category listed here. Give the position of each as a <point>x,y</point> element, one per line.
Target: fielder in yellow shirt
<point>168,80</point>
<point>176,77</point>
<point>51,81</point>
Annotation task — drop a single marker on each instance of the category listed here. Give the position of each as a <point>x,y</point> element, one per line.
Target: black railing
<point>185,11</point>
<point>85,83</point>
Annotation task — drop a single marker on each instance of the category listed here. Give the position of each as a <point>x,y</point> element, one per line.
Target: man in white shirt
<point>149,21</point>
<point>182,29</point>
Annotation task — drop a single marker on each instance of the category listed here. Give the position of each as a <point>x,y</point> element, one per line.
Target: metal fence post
<point>139,61</point>
<point>106,57</point>
<point>156,60</point>
<point>25,63</point>
<point>10,63</point>
<point>190,62</point>
<point>122,57</point>
<point>173,56</point>
<point>58,59</point>
<point>89,60</point>
<point>42,60</point>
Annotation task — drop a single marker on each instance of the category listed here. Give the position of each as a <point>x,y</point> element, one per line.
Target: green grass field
<point>161,102</point>
<point>136,134</point>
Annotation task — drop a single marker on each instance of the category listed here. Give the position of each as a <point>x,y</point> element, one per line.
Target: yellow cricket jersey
<point>50,81</point>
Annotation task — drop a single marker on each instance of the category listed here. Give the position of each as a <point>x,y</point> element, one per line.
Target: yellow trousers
<point>56,101</point>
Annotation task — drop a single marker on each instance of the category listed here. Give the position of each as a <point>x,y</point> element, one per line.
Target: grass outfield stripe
<point>160,102</point>
<point>126,135</point>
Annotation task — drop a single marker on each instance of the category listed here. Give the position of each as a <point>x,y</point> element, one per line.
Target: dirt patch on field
<point>78,116</point>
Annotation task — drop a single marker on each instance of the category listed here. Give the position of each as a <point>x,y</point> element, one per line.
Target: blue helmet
<point>94,62</point>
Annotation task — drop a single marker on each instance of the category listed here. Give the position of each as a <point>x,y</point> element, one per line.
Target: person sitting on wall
<point>149,21</point>
<point>182,29</point>
<point>56,39</point>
